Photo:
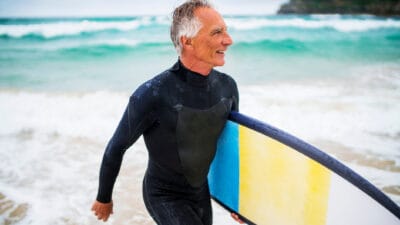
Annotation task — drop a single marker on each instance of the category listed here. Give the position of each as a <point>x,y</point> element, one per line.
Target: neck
<point>196,66</point>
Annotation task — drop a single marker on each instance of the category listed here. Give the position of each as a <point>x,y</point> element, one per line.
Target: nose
<point>227,40</point>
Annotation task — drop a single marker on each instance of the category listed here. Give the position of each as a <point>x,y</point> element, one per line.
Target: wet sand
<point>346,154</point>
<point>10,211</point>
<point>374,161</point>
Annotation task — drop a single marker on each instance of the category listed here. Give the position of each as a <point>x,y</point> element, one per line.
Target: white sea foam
<point>73,115</point>
<point>50,30</point>
<point>106,42</point>
<point>116,42</point>
<point>337,23</point>
<point>67,28</point>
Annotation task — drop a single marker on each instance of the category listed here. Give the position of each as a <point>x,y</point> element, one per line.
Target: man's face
<point>211,42</point>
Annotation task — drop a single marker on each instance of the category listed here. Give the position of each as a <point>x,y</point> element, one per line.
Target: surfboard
<point>268,176</point>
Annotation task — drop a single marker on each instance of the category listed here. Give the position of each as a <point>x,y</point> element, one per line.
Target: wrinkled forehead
<point>209,18</point>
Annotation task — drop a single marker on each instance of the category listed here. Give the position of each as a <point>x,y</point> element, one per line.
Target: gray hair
<point>185,23</point>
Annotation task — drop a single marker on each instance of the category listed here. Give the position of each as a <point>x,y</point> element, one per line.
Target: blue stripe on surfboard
<point>227,172</point>
<point>319,156</point>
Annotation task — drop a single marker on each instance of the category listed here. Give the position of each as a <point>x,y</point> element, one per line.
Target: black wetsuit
<point>181,115</point>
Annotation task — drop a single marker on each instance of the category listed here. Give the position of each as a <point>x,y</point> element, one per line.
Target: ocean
<point>332,80</point>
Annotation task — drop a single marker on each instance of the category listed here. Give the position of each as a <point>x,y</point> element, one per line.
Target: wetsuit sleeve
<point>135,120</point>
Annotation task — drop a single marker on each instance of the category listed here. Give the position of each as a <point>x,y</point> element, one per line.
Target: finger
<point>102,216</point>
<point>236,217</point>
<point>98,213</point>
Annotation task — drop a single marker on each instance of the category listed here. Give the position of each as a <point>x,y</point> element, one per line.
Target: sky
<point>74,8</point>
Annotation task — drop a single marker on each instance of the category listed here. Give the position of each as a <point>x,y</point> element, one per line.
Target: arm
<point>136,118</point>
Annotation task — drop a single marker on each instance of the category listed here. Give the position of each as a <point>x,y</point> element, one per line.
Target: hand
<point>236,217</point>
<point>102,210</point>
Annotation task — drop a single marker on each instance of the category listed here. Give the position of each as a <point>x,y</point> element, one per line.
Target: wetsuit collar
<point>191,77</point>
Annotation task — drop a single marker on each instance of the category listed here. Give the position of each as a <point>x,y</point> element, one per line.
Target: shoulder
<point>151,89</point>
<point>154,83</point>
<point>228,86</point>
<point>224,78</point>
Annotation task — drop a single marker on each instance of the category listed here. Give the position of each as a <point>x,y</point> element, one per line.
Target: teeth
<point>220,52</point>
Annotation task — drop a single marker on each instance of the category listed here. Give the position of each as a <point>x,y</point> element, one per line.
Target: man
<point>181,113</point>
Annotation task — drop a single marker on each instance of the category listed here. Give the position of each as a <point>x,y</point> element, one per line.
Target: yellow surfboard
<point>268,176</point>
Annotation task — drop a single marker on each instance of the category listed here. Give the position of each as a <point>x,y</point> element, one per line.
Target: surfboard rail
<point>319,156</point>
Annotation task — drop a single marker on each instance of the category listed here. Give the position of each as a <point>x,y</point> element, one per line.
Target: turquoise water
<point>118,53</point>
<point>333,81</point>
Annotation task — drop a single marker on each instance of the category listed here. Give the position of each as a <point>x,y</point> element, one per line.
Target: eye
<point>216,31</point>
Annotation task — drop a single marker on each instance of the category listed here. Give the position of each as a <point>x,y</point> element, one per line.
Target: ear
<point>186,42</point>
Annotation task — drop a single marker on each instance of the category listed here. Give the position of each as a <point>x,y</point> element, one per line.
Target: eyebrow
<point>218,29</point>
